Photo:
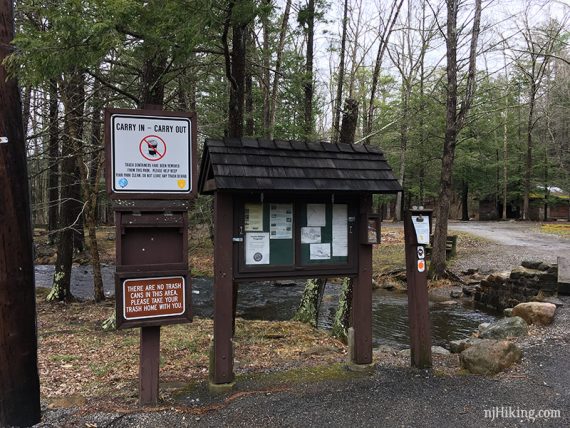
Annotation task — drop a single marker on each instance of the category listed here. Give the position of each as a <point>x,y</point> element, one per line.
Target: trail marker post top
<point>150,154</point>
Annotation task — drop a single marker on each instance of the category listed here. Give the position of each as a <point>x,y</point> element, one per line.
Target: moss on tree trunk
<point>308,311</point>
<point>342,316</point>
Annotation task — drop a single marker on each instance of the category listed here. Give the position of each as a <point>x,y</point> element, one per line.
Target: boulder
<point>449,303</point>
<point>483,326</point>
<point>385,349</point>
<point>508,312</point>
<point>533,264</point>
<point>535,312</point>
<point>489,357</point>
<point>458,346</point>
<point>456,294</point>
<point>540,297</point>
<point>434,350</point>
<point>440,350</point>
<point>504,328</point>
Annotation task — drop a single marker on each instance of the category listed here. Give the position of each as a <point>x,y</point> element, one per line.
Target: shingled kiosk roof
<point>249,164</point>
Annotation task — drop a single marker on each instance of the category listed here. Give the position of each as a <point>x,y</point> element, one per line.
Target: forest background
<point>469,99</point>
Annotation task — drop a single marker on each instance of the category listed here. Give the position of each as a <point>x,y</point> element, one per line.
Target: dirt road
<point>509,243</point>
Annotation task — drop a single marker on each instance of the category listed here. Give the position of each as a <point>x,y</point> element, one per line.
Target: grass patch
<point>64,358</point>
<point>560,229</point>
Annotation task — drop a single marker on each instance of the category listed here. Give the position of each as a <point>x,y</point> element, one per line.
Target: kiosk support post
<point>362,297</point>
<point>223,290</point>
<point>416,233</point>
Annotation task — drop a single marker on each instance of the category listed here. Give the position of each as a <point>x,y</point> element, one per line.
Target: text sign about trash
<point>153,297</point>
<point>151,154</point>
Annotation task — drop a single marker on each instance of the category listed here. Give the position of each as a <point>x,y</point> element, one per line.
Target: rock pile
<point>488,352</point>
<point>523,284</point>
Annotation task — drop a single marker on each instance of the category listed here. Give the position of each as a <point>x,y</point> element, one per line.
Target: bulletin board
<point>302,237</point>
<point>268,234</point>
<point>324,233</point>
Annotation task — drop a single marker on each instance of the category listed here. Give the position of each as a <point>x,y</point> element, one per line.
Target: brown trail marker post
<point>19,380</point>
<point>151,174</point>
<point>291,209</point>
<point>417,227</point>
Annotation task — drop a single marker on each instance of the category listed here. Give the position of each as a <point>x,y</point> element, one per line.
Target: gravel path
<point>506,245</point>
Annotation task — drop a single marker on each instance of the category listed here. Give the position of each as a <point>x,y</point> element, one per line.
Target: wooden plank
<point>223,289</point>
<point>362,297</point>
<point>418,303</point>
<point>149,365</point>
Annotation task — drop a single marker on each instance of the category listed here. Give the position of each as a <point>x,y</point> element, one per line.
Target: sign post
<point>417,226</point>
<point>151,171</point>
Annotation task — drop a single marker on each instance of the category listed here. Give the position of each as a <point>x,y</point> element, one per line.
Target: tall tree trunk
<point>76,201</point>
<point>235,69</point>
<point>266,73</point>
<point>404,131</point>
<point>384,38</point>
<point>249,119</point>
<point>528,157</point>
<point>341,321</point>
<point>73,97</point>
<point>278,61</point>
<point>454,121</point>
<point>90,175</point>
<point>152,79</point>
<point>465,200</point>
<point>349,122</point>
<point>308,311</point>
<point>505,159</point>
<point>340,77</point>
<point>19,380</point>
<point>308,85</point>
<point>53,161</point>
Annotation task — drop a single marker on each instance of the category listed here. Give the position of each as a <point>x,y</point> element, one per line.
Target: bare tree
<point>340,77</point>
<point>408,56</point>
<point>532,63</point>
<point>307,17</point>
<point>385,31</point>
<point>454,121</point>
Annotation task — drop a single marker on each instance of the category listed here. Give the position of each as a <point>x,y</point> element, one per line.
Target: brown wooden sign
<point>152,300</point>
<point>153,297</point>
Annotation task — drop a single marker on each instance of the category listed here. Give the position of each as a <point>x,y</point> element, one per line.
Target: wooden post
<point>19,380</point>
<point>418,303</point>
<point>223,290</point>
<point>362,296</point>
<point>149,366</point>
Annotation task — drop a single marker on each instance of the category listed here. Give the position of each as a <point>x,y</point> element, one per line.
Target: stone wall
<point>523,284</point>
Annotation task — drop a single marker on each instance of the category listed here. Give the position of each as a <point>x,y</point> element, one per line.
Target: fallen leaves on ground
<point>77,358</point>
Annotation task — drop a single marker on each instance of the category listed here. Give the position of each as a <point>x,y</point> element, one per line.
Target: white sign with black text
<point>151,154</point>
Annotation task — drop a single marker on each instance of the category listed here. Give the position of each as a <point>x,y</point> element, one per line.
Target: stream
<point>268,301</point>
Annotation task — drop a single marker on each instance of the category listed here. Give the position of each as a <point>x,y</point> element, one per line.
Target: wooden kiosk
<point>291,209</point>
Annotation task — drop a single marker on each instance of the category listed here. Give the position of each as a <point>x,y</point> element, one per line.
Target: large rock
<point>458,346</point>
<point>535,312</point>
<point>489,357</point>
<point>533,264</point>
<point>505,328</point>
